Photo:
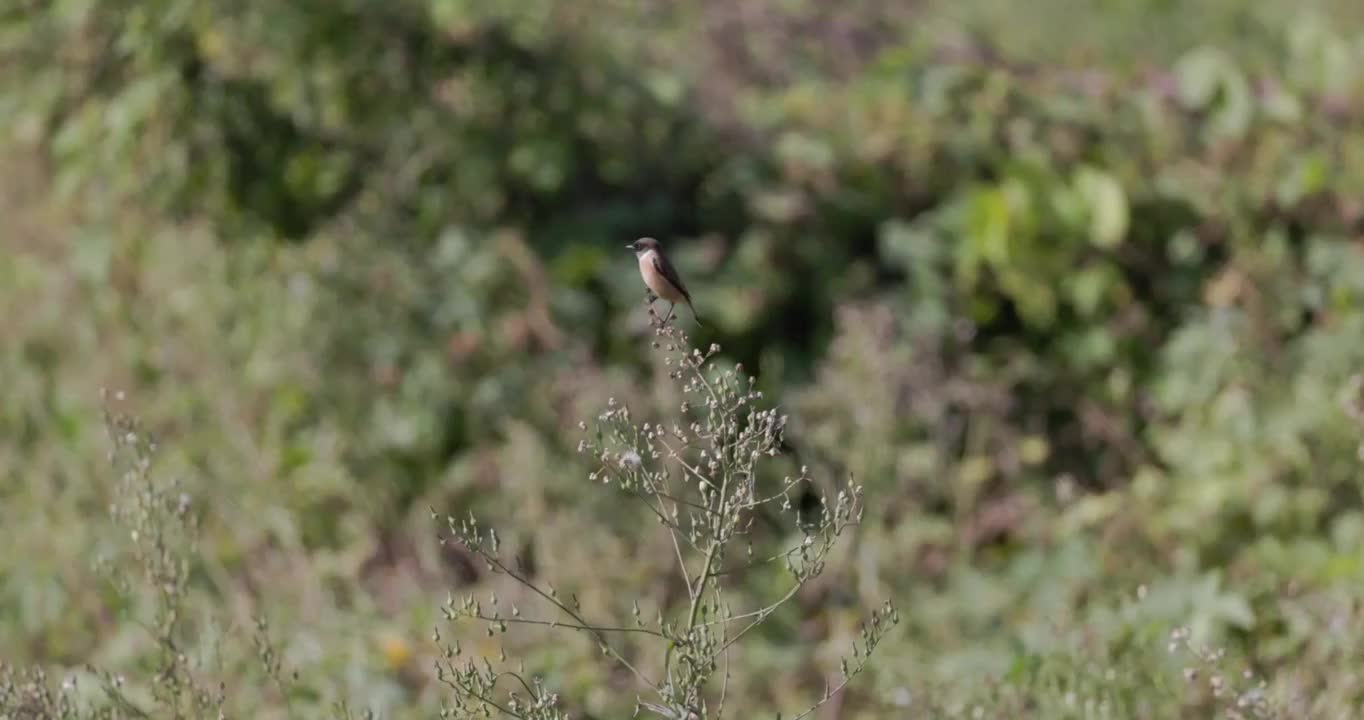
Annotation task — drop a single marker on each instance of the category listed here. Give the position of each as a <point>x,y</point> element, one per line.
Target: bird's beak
<point>631,246</point>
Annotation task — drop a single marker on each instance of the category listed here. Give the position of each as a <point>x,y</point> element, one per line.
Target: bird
<point>661,277</point>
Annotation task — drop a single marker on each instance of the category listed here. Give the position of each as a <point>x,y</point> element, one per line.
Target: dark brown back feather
<point>664,267</point>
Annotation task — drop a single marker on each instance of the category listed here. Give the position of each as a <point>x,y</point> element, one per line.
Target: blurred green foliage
<point>1075,289</point>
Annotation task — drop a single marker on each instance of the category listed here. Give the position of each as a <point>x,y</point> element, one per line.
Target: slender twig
<point>829,692</point>
<point>724,690</point>
<point>601,638</point>
<point>672,534</point>
<point>445,679</point>
<point>755,563</point>
<point>569,626</point>
<point>514,674</point>
<point>702,579</point>
<point>762,614</point>
<point>700,477</point>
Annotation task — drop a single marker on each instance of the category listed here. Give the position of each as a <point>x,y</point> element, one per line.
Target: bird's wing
<point>665,269</point>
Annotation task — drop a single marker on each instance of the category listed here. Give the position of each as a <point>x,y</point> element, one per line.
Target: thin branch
<point>724,689</point>
<point>762,614</point>
<point>696,597</point>
<point>474,693</point>
<point>675,455</point>
<point>601,638</point>
<point>829,692</point>
<point>680,501</point>
<point>755,563</point>
<point>672,534</point>
<point>570,626</point>
<point>519,679</point>
<point>655,489</point>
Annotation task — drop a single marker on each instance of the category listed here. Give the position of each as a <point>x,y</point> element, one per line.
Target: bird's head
<point>643,245</point>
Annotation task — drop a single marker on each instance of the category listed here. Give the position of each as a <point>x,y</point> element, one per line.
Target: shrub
<point>701,476</point>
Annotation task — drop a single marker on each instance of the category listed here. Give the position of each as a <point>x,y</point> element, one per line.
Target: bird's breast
<point>655,280</point>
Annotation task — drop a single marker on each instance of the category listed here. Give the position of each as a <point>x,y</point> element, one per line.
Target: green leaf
<point>1198,75</point>
<point>1209,81</point>
<point>986,226</point>
<point>1108,210</point>
<point>1088,287</point>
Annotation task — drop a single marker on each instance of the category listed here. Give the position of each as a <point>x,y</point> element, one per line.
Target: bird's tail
<point>696,317</point>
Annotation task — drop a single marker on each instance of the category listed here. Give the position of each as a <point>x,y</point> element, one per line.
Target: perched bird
<point>661,277</point>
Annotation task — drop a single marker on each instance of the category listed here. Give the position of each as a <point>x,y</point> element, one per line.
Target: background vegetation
<point>1075,290</point>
